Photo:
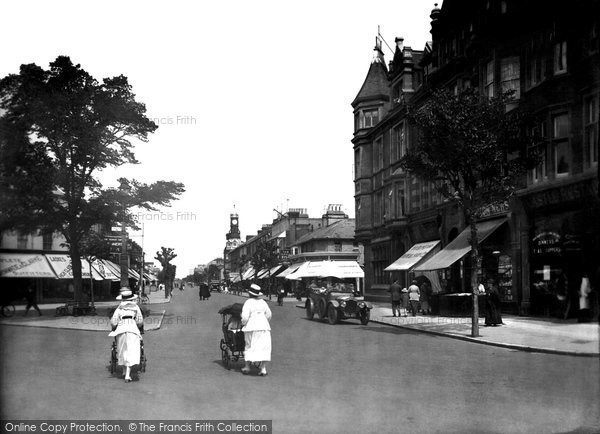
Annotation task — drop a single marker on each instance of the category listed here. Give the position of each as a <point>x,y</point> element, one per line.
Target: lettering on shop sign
<point>567,193</point>
<point>495,209</point>
<point>547,243</point>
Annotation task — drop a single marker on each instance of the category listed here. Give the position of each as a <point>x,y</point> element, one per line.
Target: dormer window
<point>368,118</point>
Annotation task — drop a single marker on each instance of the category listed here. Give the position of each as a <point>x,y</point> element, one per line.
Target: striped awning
<point>25,265</point>
<point>459,246</point>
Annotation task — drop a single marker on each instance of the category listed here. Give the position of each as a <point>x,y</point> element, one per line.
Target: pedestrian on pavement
<point>257,331</point>
<point>31,297</point>
<point>492,305</point>
<point>127,325</point>
<point>395,291</point>
<point>425,297</point>
<point>405,301</point>
<point>414,295</point>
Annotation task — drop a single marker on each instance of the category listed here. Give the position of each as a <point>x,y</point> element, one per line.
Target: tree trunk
<point>76,268</point>
<point>475,264</point>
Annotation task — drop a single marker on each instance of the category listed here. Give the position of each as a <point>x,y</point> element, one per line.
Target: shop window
<point>560,145</point>
<point>510,76</point>
<point>560,57</point>
<point>489,79</point>
<point>591,132</point>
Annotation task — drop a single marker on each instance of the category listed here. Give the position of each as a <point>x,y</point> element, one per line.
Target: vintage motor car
<point>336,304</point>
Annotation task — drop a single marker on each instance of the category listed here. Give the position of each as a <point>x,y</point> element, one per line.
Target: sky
<point>252,98</point>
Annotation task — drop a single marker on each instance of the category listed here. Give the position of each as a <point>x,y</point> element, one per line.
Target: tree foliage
<point>475,152</point>
<point>59,128</point>
<point>167,275</point>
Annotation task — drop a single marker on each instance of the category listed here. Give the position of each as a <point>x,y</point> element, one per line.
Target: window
<point>357,153</point>
<point>387,206</point>
<point>368,118</point>
<point>535,71</point>
<point>378,155</point>
<point>503,7</point>
<point>593,38</point>
<point>510,77</point>
<point>47,241</point>
<point>377,208</point>
<point>489,79</point>
<point>398,142</point>
<point>22,240</point>
<point>560,144</point>
<point>415,196</point>
<point>560,57</point>
<point>400,206</point>
<point>337,246</point>
<point>591,132</point>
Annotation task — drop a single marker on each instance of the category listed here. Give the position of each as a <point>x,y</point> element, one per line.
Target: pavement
<point>154,314</point>
<point>518,332</point>
<point>522,333</point>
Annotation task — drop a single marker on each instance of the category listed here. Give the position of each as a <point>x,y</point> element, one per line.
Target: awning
<point>412,257</point>
<point>248,273</point>
<point>459,246</point>
<point>235,278</point>
<point>264,274</point>
<point>62,266</point>
<point>105,270</point>
<point>289,270</point>
<point>339,269</point>
<point>25,265</point>
<point>116,269</point>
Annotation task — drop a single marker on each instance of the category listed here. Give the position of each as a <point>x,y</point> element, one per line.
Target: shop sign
<point>494,209</point>
<point>571,244</point>
<point>284,254</point>
<point>577,191</point>
<point>547,243</point>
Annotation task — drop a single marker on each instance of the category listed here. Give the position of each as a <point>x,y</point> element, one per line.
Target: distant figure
<point>414,295</point>
<point>204,291</point>
<point>395,291</point>
<point>405,300</point>
<point>424,298</point>
<point>492,306</point>
<point>31,297</point>
<point>584,300</point>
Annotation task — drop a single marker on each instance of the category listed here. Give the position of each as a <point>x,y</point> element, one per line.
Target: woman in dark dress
<point>492,306</point>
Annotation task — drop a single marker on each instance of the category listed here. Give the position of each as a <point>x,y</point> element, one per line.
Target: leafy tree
<point>474,150</point>
<point>92,247</point>
<point>213,272</point>
<point>265,257</point>
<point>167,275</point>
<point>58,128</point>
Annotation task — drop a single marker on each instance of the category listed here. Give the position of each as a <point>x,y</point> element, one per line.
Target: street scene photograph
<point>300,217</point>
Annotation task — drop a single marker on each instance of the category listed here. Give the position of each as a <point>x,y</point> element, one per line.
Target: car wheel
<point>332,315</point>
<point>310,314</point>
<point>365,315</point>
<point>322,309</point>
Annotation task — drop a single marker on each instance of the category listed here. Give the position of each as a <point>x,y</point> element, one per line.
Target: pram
<point>233,343</point>
<point>114,358</point>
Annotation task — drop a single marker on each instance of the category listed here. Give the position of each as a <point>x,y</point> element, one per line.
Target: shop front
<point>453,267</point>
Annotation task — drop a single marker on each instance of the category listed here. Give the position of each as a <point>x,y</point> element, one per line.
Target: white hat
<point>126,294</point>
<point>254,290</point>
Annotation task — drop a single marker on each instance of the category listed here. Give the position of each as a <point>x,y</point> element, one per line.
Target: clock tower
<point>233,236</point>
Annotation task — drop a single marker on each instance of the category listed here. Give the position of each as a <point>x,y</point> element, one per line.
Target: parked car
<point>336,304</point>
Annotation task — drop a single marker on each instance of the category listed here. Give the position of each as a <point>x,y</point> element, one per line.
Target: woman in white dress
<point>126,323</point>
<point>257,331</point>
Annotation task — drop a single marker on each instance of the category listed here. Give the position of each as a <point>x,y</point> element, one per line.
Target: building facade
<point>547,237</point>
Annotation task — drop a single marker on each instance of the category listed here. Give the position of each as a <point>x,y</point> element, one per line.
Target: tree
<point>265,257</point>
<point>474,150</point>
<point>167,275</point>
<point>92,247</point>
<point>213,272</point>
<point>60,127</point>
